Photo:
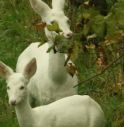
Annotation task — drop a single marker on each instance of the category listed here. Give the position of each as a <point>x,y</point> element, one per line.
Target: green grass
<point>17,32</point>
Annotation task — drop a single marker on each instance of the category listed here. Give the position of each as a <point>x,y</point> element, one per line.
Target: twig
<point>110,65</point>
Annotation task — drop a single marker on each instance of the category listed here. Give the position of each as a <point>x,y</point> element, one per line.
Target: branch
<point>109,66</point>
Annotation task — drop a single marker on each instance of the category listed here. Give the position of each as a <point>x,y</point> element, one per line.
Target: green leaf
<point>85,30</point>
<point>54,27</point>
<point>98,26</point>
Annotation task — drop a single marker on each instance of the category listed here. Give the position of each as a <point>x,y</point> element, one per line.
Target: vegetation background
<point>98,50</point>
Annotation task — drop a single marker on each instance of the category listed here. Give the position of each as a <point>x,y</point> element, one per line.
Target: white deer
<point>73,111</point>
<point>51,81</point>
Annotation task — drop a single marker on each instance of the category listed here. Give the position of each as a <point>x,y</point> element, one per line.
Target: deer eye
<point>52,22</point>
<point>22,87</point>
<point>8,88</point>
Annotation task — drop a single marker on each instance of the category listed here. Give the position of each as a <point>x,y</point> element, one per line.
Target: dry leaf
<point>40,26</point>
<point>71,69</point>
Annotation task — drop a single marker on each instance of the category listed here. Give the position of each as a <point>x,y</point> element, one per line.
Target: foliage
<point>100,59</point>
<point>96,49</point>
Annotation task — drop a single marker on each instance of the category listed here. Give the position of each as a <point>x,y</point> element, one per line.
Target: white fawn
<point>73,111</point>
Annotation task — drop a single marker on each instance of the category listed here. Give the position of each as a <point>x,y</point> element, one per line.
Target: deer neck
<point>24,114</point>
<point>57,70</point>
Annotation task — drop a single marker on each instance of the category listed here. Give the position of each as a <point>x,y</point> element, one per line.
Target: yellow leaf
<point>91,46</point>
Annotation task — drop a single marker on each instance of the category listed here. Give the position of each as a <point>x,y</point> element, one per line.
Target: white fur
<point>51,80</point>
<point>73,111</point>
<point>58,5</point>
<point>55,14</point>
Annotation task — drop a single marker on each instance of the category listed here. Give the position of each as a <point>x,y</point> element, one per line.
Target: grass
<point>17,32</point>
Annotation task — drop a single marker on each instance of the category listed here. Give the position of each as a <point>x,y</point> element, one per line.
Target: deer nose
<point>69,35</point>
<point>13,102</point>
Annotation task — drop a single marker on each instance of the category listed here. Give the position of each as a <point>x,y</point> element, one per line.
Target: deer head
<point>17,82</point>
<point>49,15</point>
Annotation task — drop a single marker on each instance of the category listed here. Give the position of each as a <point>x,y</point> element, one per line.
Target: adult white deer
<point>73,111</point>
<point>51,81</point>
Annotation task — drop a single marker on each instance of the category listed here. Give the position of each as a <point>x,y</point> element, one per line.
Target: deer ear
<point>30,69</point>
<point>5,71</point>
<point>40,7</point>
<point>58,5</point>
